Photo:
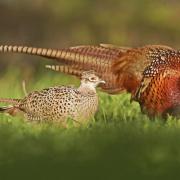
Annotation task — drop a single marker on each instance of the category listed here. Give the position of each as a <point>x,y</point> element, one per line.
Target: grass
<point>121,143</point>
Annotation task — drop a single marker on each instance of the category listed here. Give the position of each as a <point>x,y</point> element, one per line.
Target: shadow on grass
<point>102,151</point>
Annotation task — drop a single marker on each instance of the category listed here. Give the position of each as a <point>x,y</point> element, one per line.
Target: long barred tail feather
<point>5,108</point>
<point>91,56</point>
<point>65,69</point>
<point>9,100</point>
<point>9,109</point>
<point>72,70</point>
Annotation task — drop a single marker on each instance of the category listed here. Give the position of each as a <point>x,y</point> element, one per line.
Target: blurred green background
<point>121,142</point>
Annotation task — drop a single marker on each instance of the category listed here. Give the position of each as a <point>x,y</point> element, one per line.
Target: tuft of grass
<point>120,143</point>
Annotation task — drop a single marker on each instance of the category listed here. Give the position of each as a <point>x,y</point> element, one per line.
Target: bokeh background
<point>64,23</point>
<point>121,142</point>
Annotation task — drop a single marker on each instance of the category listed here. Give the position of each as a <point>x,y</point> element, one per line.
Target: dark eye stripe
<point>93,79</point>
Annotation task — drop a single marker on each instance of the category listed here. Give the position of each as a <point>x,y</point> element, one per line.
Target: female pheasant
<point>149,73</point>
<point>59,103</point>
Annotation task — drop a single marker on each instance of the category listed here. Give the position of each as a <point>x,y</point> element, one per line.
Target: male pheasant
<point>59,103</point>
<point>150,73</point>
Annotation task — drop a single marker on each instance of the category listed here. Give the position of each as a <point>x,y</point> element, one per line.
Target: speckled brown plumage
<point>59,103</point>
<point>150,73</point>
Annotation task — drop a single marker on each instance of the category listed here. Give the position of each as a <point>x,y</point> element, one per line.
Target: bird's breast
<point>158,95</point>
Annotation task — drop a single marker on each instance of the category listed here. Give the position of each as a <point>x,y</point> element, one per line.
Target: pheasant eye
<point>92,79</point>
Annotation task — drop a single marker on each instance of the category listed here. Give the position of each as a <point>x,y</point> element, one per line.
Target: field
<point>120,143</point>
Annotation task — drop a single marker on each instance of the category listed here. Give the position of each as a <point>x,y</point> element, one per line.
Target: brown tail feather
<point>9,109</point>
<point>72,70</point>
<point>119,48</point>
<point>94,56</point>
<point>65,69</point>
<point>9,100</point>
<point>45,52</point>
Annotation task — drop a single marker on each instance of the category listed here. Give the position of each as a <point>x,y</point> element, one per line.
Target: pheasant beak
<point>102,81</point>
